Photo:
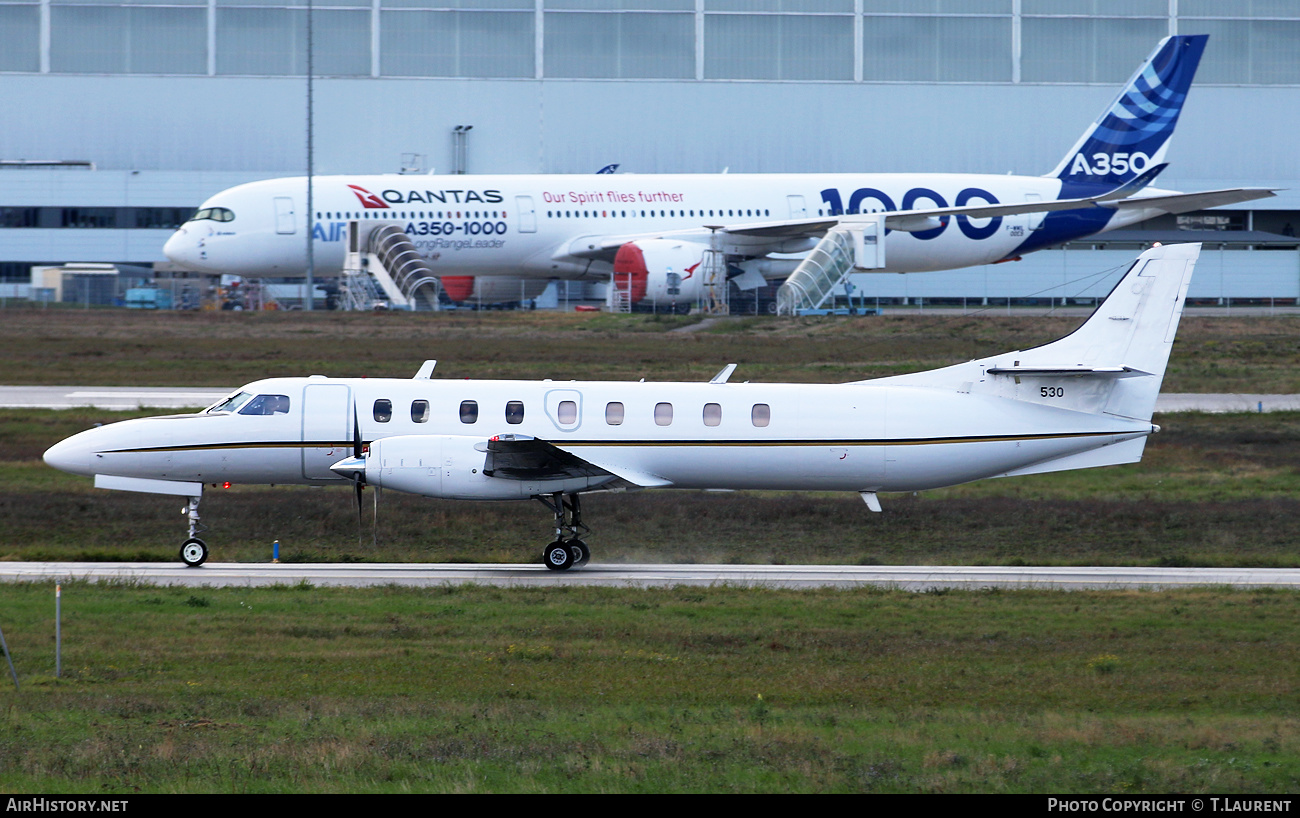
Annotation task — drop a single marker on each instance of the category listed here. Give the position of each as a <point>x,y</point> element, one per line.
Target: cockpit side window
<point>231,403</point>
<point>267,405</point>
<point>216,214</point>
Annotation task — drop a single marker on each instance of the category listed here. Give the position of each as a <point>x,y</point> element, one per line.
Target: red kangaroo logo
<point>368,199</point>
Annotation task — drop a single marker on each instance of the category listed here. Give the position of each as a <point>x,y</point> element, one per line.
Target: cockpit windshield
<point>266,405</point>
<point>231,403</point>
<point>216,214</point>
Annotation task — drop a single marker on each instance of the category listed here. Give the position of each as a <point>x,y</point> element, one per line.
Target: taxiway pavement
<point>906,577</point>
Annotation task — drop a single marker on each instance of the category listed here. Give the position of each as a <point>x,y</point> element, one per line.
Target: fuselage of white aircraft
<point>548,226</point>
<point>1085,400</point>
<point>430,436</point>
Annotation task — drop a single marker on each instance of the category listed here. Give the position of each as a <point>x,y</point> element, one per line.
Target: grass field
<point>135,348</point>
<point>473,689</point>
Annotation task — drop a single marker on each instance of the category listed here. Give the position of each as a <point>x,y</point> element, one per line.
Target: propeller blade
<point>356,432</point>
<point>358,476</point>
<point>358,490</point>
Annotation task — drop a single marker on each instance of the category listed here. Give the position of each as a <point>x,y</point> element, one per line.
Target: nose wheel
<point>194,552</point>
<point>567,551</point>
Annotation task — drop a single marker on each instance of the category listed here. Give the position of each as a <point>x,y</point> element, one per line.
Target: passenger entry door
<point>527,214</point>
<point>285,223</point>
<point>326,429</point>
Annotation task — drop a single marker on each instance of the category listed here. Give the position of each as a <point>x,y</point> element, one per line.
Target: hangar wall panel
<point>1227,135</point>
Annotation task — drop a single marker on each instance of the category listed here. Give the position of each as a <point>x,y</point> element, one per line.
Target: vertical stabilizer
<point>1112,364</point>
<point>1129,337</point>
<point>1132,134</point>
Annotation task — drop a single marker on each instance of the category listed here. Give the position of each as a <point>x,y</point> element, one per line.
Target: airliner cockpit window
<point>267,405</point>
<point>216,214</point>
<point>231,403</point>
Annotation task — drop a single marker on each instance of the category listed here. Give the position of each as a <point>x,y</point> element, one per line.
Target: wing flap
<point>519,457</point>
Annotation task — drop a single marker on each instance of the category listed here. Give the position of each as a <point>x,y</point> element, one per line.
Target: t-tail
<point>1112,364</point>
<point>1132,134</point>
<point>1108,370</point>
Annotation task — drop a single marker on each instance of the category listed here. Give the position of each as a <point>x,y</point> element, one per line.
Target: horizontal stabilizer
<point>1073,371</point>
<point>1187,202</point>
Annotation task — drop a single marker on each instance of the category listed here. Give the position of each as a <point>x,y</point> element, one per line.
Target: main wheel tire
<point>581,553</point>
<point>557,556</point>
<point>194,552</point>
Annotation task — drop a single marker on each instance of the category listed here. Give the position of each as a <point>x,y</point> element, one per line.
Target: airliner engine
<point>662,271</point>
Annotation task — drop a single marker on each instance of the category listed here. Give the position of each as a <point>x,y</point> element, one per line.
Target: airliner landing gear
<point>563,554</point>
<point>194,552</point>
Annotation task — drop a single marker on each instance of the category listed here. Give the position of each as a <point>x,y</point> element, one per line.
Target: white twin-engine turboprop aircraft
<point>1085,400</point>
<point>497,237</point>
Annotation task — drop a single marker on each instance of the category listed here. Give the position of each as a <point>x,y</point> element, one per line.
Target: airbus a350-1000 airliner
<point>1082,401</point>
<point>497,237</point>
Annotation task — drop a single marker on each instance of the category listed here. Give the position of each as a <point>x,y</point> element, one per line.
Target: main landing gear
<point>194,552</point>
<point>567,551</point>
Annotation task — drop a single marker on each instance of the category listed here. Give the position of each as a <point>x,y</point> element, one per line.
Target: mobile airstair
<point>383,269</point>
<point>845,249</point>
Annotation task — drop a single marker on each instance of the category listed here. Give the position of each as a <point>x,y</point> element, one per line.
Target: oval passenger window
<point>567,412</point>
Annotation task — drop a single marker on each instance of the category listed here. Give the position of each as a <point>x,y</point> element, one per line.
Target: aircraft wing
<point>791,235</point>
<point>527,458</point>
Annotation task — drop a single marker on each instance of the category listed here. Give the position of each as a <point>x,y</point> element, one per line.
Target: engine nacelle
<point>660,271</point>
<point>492,289</point>
<point>450,467</point>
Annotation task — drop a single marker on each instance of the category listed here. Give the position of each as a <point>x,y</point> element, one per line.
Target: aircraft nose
<point>179,248</point>
<point>72,455</point>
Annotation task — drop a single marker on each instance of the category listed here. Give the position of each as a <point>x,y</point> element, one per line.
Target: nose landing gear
<point>194,552</point>
<point>563,554</point>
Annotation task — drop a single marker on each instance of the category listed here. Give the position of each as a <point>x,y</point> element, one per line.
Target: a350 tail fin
<point>1132,134</point>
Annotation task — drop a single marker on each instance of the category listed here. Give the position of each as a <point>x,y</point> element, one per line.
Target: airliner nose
<point>71,455</point>
<point>179,247</point>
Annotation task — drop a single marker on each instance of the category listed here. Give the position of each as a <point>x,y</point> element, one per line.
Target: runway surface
<point>910,578</point>
<point>126,397</point>
<point>109,397</point>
